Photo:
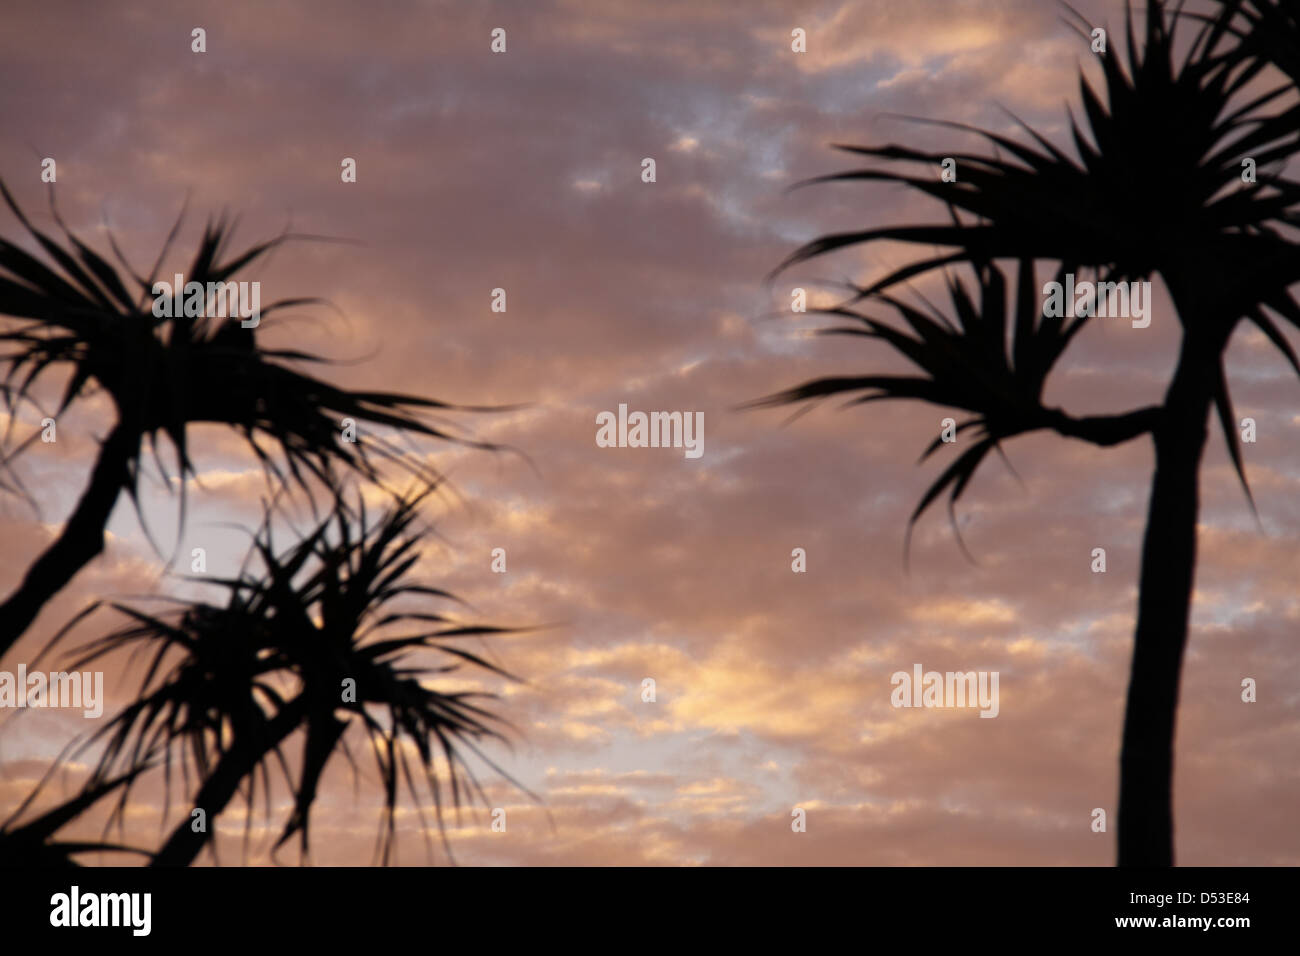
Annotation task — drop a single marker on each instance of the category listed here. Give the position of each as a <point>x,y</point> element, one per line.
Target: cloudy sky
<point>522,171</point>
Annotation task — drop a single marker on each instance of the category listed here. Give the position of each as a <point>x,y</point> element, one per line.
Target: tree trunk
<point>184,844</point>
<point>81,540</point>
<point>1164,601</point>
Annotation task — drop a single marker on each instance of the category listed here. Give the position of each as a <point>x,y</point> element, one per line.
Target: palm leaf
<point>318,613</point>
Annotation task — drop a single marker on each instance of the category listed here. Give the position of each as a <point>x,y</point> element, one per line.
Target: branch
<point>1104,430</point>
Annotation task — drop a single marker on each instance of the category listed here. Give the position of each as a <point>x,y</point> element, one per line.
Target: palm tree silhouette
<point>164,375</point>
<point>1157,188</point>
<point>331,618</point>
<point>213,700</point>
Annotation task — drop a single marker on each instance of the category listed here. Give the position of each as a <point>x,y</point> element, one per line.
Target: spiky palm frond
<point>1268,33</point>
<point>993,363</point>
<point>1157,175</point>
<point>318,614</point>
<point>1156,187</point>
<point>165,374</point>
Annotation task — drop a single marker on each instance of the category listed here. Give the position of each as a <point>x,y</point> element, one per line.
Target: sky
<point>522,171</point>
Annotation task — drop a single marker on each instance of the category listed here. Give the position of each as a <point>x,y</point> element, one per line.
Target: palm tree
<point>82,315</point>
<point>309,644</point>
<point>1156,188</point>
<point>214,696</point>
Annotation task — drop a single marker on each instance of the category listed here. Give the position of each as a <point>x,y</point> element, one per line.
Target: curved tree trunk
<point>81,540</point>
<point>1164,602</point>
<point>184,844</point>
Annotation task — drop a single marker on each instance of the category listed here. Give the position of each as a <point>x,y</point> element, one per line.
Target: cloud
<point>522,172</point>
